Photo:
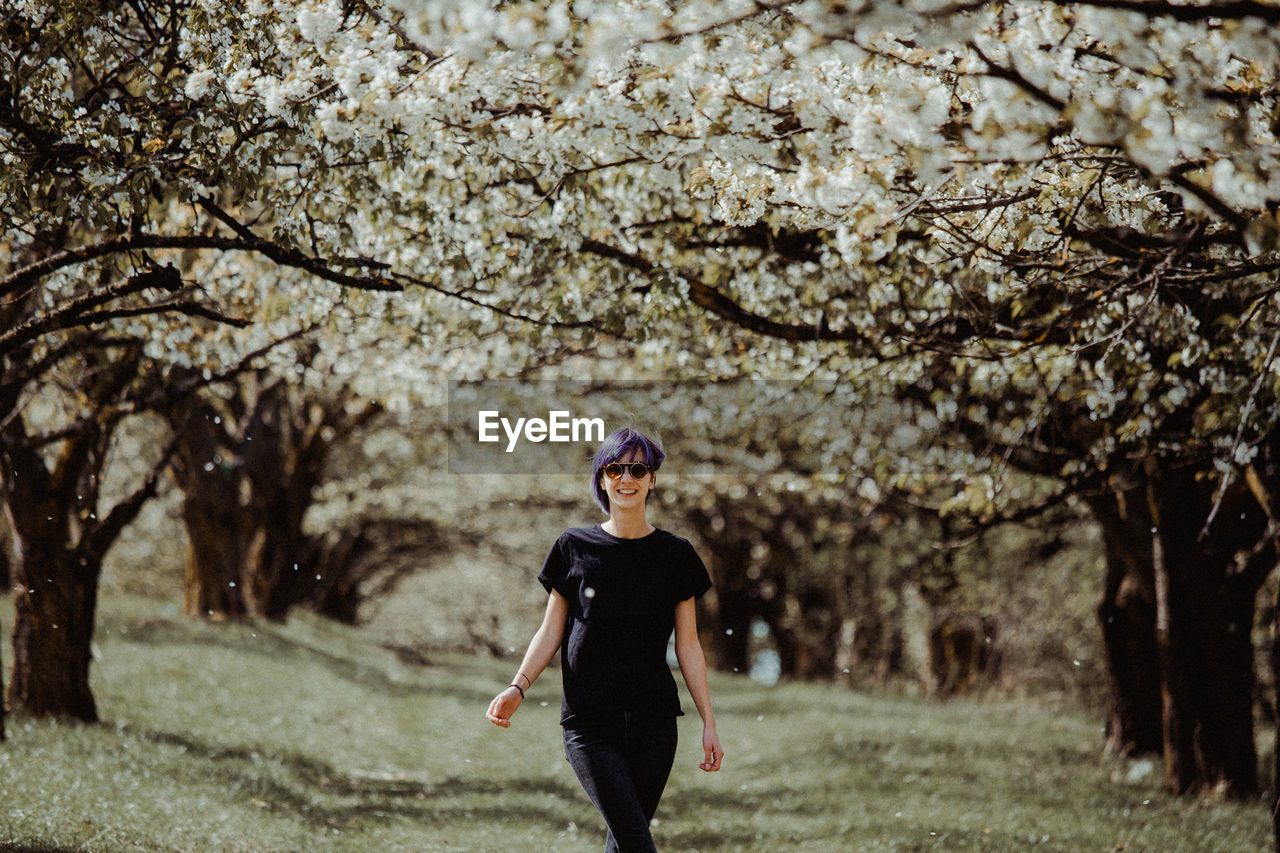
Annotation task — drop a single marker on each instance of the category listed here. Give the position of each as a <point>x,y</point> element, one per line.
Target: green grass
<point>311,737</point>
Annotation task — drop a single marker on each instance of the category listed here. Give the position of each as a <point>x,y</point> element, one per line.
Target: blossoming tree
<point>1053,223</point>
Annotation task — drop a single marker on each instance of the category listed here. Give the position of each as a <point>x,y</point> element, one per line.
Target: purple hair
<point>617,445</point>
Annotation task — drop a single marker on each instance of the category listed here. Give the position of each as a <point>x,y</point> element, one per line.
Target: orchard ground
<point>313,736</point>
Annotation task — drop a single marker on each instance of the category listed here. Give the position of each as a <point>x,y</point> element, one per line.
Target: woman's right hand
<point>503,706</point>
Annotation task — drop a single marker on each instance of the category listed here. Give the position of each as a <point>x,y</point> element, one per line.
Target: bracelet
<point>517,687</point>
<point>525,677</point>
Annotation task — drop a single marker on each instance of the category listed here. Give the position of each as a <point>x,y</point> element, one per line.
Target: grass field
<point>311,737</point>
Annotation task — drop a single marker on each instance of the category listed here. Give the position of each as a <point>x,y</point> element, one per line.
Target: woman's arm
<point>542,648</point>
<point>693,666</point>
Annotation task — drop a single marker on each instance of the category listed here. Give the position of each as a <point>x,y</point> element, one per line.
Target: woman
<point>615,592</point>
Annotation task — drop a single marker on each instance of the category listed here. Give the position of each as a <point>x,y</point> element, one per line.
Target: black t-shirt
<point>622,596</point>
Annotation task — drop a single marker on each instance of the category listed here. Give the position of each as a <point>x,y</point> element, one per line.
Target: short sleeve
<point>555,571</point>
<point>694,580</point>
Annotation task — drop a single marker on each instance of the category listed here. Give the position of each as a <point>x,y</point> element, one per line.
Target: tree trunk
<point>60,536</point>
<point>6,555</point>
<point>56,578</point>
<point>1127,618</point>
<point>806,627</point>
<point>2,702</point>
<point>53,629</point>
<point>58,533</point>
<point>727,624</point>
<point>55,595</point>
<point>285,454</point>
<point>736,607</point>
<point>350,559</point>
<point>211,513</point>
<point>1179,609</point>
<point>213,588</point>
<point>1205,603</point>
<point>870,639</point>
<point>7,580</point>
<point>279,566</point>
<point>248,468</point>
<point>1275,671</point>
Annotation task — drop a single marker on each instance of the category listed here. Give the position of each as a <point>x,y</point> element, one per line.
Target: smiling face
<point>627,492</point>
<point>624,445</point>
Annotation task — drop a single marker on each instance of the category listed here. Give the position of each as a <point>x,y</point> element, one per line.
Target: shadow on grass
<point>324,796</point>
<point>270,641</point>
<point>706,839</point>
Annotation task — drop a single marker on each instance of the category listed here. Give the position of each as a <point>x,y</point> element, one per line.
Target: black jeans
<point>623,761</point>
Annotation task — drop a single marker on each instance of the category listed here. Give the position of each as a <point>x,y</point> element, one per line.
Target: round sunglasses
<point>638,470</point>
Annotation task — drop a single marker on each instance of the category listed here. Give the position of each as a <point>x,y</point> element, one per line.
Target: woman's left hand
<point>711,749</point>
<point>503,706</point>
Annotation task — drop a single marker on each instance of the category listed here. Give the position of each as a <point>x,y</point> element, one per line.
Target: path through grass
<point>310,737</point>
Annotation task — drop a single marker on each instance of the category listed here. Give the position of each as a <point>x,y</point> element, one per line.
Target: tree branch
<point>79,311</point>
<point>431,55</point>
<point>319,267</point>
<point>166,395</point>
<point>712,300</point>
<point>1015,77</point>
<point>1211,201</point>
<point>95,544</point>
<point>175,306</point>
<point>1190,12</point>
